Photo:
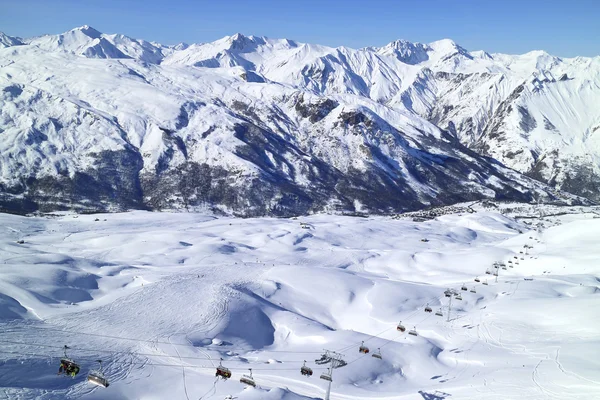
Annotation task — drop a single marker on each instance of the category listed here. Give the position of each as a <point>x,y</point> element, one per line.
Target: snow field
<point>162,297</point>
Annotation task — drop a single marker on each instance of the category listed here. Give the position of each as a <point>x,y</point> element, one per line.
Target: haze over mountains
<point>258,126</point>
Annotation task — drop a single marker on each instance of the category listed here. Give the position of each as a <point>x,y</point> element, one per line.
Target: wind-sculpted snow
<point>257,126</point>
<point>161,298</point>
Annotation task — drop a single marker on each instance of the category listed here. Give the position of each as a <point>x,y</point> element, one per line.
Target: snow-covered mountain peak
<point>484,55</point>
<point>377,119</point>
<point>405,51</point>
<point>88,31</point>
<point>446,46</point>
<point>9,41</point>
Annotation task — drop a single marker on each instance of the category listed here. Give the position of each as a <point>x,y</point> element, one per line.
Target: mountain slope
<point>248,125</point>
<point>88,42</point>
<point>8,41</point>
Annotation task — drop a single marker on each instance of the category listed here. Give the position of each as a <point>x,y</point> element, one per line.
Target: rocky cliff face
<point>254,126</point>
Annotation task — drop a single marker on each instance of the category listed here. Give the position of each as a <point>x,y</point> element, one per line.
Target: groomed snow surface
<point>162,297</point>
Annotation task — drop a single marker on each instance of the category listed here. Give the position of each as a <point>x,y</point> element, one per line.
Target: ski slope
<point>162,297</point>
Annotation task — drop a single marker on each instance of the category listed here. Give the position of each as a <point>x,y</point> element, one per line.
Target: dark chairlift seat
<point>363,349</point>
<point>305,370</point>
<point>223,372</point>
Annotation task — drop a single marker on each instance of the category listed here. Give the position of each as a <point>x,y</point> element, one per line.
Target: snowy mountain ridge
<point>266,126</point>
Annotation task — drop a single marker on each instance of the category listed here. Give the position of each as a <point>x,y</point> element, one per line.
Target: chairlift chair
<point>400,327</point>
<point>377,354</point>
<point>67,365</point>
<point>363,349</point>
<point>473,290</point>
<point>428,309</point>
<point>96,377</point>
<point>504,267</point>
<point>485,283</point>
<point>223,372</point>
<point>306,371</point>
<point>439,313</point>
<point>448,293</point>
<point>326,376</point>
<point>464,287</point>
<point>413,331</point>
<point>248,379</point>
<point>458,297</point>
<point>509,261</point>
<point>488,272</point>
<point>477,280</point>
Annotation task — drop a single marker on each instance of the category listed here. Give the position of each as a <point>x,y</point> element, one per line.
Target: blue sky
<point>563,28</point>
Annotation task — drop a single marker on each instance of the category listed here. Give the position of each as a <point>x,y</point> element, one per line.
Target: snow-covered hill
<point>259,126</point>
<point>162,297</point>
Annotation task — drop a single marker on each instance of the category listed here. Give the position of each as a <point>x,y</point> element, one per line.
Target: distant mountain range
<point>257,126</point>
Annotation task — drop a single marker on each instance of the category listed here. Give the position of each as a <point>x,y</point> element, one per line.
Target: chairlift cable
<point>130,352</point>
<point>158,341</point>
<point>166,364</point>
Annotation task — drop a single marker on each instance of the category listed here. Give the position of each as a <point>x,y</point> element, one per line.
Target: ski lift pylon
<point>96,377</point>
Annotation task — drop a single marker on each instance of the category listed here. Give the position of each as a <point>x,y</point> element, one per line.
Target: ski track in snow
<point>161,298</point>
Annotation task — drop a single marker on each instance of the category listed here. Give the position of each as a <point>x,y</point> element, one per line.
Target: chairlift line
<point>154,341</point>
<point>79,349</point>
<point>161,364</point>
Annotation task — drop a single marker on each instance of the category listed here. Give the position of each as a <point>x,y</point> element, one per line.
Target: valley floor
<point>162,297</point>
